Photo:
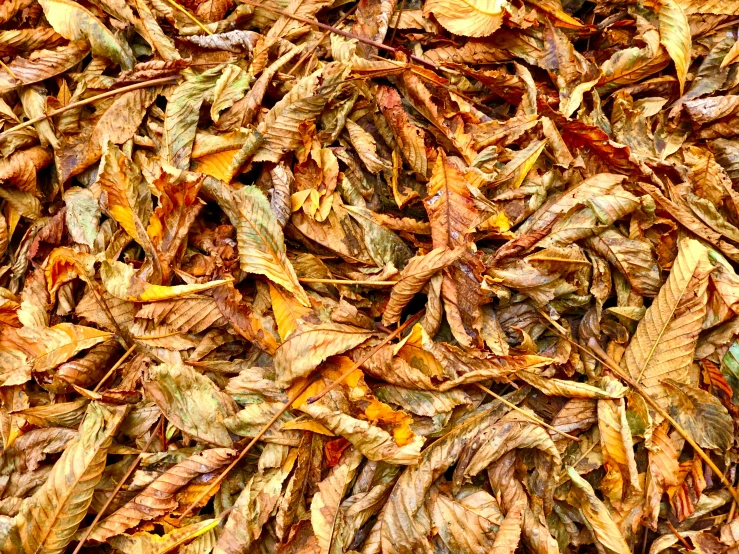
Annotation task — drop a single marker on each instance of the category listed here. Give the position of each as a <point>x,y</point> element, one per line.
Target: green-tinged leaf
<point>181,115</point>
<point>74,22</point>
<point>702,415</point>
<point>83,215</point>
<point>384,246</point>
<point>260,239</point>
<point>420,402</point>
<point>191,402</point>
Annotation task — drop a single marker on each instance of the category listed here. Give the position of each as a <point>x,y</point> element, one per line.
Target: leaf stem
<point>113,369</point>
<point>92,99</point>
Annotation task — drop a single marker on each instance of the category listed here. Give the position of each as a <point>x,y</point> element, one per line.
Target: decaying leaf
<point>314,277</point>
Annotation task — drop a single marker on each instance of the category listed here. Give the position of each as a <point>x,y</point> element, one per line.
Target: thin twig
<point>115,366</point>
<point>92,99</point>
<point>118,487</point>
<point>411,320</point>
<point>348,282</point>
<point>313,48</point>
<point>248,447</point>
<point>526,414</point>
<point>378,45</point>
<point>680,538</point>
<point>10,71</point>
<point>190,16</point>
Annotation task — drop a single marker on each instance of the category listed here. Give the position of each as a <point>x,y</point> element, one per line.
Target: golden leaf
<point>49,520</point>
<point>469,18</point>
<point>664,342</point>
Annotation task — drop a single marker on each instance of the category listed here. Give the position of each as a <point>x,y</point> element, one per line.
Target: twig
<point>679,536</point>
<point>115,366</point>
<point>190,16</point>
<point>92,99</point>
<point>523,412</point>
<point>10,71</point>
<point>248,447</point>
<point>347,282</point>
<point>118,487</point>
<point>372,352</point>
<point>313,48</point>
<point>378,45</point>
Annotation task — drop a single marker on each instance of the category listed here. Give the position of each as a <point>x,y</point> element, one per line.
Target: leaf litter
<point>376,277</point>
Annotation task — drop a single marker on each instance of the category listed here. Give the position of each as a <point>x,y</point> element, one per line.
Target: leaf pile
<point>375,276</point>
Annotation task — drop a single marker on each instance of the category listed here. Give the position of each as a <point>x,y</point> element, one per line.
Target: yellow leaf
<point>148,543</point>
<point>216,165</point>
<point>469,18</point>
<point>605,530</point>
<point>120,281</point>
<point>287,311</point>
<point>674,31</point>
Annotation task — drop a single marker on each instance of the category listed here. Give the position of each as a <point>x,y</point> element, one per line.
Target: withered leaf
<point>214,211</point>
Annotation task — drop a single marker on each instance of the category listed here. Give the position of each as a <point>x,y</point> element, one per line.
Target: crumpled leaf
<point>596,513</point>
<point>372,441</point>
<point>158,498</point>
<point>192,402</point>
<point>252,509</point>
<point>74,22</point>
<point>310,345</point>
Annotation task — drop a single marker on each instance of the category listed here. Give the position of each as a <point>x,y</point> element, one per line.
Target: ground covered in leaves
<point>381,277</point>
